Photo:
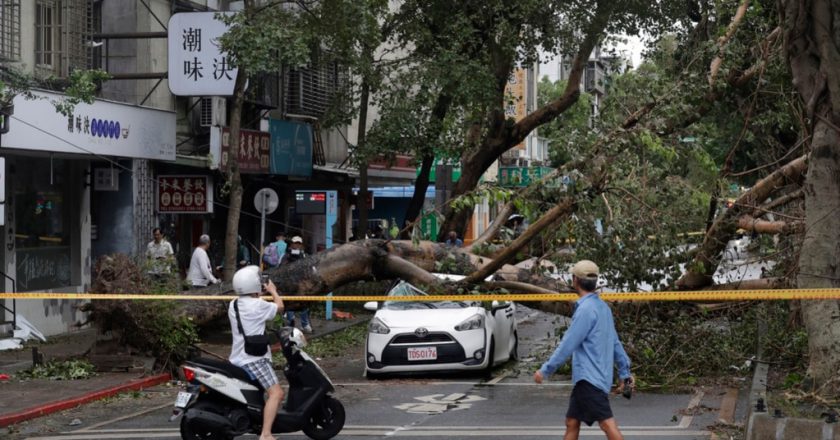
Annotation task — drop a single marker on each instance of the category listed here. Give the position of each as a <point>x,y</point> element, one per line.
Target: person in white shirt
<point>159,253</point>
<point>201,272</point>
<point>253,314</point>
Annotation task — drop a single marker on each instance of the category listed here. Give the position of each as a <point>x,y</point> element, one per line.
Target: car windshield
<point>405,289</point>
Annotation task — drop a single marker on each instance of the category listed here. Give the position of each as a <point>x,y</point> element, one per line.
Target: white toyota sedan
<point>435,336</point>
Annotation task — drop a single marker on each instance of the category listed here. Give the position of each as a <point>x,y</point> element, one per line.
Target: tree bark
<point>361,202</point>
<point>234,178</point>
<point>415,206</point>
<point>752,224</point>
<point>811,43</point>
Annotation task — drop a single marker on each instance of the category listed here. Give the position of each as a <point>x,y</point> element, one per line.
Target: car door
<point>502,318</point>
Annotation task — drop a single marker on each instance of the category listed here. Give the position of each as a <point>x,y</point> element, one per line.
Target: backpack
<point>270,255</point>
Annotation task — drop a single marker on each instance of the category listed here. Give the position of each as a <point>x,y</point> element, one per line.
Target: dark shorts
<point>589,404</point>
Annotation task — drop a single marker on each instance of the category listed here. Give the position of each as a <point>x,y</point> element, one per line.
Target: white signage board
<point>103,128</point>
<point>197,66</point>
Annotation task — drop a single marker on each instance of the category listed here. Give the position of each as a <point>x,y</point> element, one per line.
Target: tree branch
<point>563,208</point>
<point>730,31</point>
<point>752,224</point>
<point>708,256</point>
<point>493,229</point>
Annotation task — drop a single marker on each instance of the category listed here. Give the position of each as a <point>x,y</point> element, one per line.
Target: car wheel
<point>491,354</point>
<point>514,353</point>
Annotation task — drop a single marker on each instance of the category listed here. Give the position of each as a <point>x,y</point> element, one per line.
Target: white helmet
<point>247,280</point>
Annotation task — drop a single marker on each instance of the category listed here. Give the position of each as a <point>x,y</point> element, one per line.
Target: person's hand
<point>270,288</point>
<point>538,377</point>
<point>621,384</point>
<point>217,281</point>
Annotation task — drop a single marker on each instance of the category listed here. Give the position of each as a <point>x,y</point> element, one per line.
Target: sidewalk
<point>24,400</point>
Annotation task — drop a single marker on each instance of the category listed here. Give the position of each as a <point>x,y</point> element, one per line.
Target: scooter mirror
<point>371,306</point>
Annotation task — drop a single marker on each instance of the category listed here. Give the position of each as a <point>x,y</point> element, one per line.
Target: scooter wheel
<point>326,421</point>
<point>187,433</point>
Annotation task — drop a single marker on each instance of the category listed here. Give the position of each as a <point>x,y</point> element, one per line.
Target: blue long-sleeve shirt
<point>593,341</point>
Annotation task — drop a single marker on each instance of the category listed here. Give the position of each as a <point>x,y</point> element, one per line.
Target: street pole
<point>263,208</point>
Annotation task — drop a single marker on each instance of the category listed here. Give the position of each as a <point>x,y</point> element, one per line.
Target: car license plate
<point>422,354</point>
<point>183,399</point>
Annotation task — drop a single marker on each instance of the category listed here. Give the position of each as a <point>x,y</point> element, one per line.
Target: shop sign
<point>521,176</point>
<point>514,104</point>
<point>197,66</point>
<point>311,202</point>
<point>254,151</point>
<point>188,194</point>
<point>291,148</point>
<point>102,128</point>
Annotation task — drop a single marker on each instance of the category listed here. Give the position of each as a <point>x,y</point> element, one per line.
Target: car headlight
<point>474,322</point>
<point>377,326</point>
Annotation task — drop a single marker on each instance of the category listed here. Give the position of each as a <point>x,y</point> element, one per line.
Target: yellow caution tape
<point>702,295</point>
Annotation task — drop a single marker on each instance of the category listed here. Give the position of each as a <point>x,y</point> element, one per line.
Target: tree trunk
<point>500,136</point>
<point>415,206</point>
<point>820,254</point>
<point>811,42</point>
<point>361,203</point>
<point>234,178</point>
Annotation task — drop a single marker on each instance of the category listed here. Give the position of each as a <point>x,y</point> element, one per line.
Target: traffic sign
<point>267,198</point>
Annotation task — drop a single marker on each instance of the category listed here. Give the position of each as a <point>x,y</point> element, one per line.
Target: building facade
<point>97,181</point>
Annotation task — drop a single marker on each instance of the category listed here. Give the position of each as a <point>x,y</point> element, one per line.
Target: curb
<point>61,405</point>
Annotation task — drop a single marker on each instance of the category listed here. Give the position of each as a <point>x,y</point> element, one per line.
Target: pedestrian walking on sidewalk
<point>201,272</point>
<point>593,341</point>
<point>248,314</point>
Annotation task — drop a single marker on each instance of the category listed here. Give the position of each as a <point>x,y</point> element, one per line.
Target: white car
<point>434,336</point>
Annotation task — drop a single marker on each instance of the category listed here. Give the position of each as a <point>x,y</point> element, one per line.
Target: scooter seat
<point>225,368</point>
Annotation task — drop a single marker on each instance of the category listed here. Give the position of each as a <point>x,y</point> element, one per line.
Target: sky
<point>633,47</point>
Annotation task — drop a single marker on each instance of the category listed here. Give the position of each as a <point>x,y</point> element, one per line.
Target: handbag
<point>255,345</point>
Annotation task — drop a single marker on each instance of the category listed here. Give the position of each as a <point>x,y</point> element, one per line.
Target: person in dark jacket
<point>296,253</point>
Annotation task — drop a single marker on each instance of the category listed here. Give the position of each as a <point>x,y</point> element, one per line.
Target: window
<point>62,33</point>
<point>43,225</point>
<point>9,30</point>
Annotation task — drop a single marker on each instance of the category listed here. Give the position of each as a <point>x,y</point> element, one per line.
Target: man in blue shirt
<point>593,342</point>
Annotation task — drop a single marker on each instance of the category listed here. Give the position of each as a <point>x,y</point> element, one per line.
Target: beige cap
<point>297,239</point>
<point>585,269</point>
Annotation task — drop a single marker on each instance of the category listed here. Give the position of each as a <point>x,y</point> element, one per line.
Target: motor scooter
<point>222,401</point>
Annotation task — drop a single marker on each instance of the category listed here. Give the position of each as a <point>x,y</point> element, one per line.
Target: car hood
<point>430,318</point>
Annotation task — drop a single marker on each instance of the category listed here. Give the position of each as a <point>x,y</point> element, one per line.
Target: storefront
<point>56,168</point>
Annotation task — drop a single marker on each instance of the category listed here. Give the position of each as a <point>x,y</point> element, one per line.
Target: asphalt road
<point>506,404</point>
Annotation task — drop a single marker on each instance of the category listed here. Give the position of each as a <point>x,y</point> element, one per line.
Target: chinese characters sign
<point>185,194</point>
<point>197,67</point>
<point>100,128</point>
<point>521,176</point>
<point>515,98</point>
<point>254,151</point>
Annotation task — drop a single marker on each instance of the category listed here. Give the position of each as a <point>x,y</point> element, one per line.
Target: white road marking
<point>438,383</point>
<point>411,431</point>
<point>686,420</point>
<point>129,416</point>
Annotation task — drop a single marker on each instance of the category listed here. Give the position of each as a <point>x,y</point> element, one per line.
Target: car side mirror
<point>372,306</point>
<point>496,306</point>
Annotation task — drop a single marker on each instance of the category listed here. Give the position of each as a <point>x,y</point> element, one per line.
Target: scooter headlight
<point>474,322</point>
<point>377,326</point>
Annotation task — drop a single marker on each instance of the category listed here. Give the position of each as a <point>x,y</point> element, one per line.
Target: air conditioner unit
<point>210,111</point>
